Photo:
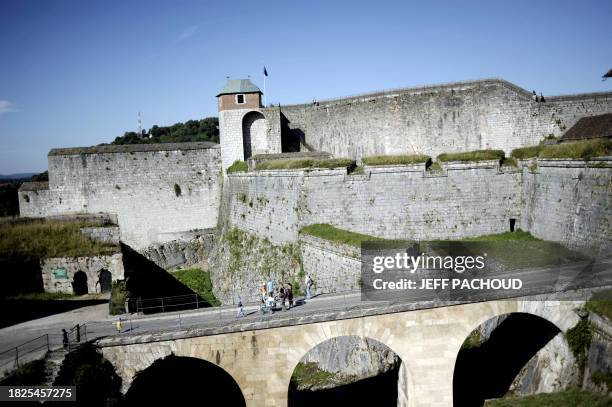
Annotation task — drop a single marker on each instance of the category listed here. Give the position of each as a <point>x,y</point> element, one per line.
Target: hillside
<point>192,130</point>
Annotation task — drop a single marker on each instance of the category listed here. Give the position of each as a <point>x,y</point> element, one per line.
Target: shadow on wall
<point>291,138</point>
<point>146,280</point>
<point>487,370</point>
<point>180,381</point>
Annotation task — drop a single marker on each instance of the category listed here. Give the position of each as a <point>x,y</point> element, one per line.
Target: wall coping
<point>133,148</point>
<point>464,165</point>
<point>34,186</point>
<point>595,162</point>
<point>394,168</point>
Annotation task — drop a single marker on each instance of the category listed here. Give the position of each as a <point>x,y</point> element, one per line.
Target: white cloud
<point>6,106</point>
<point>187,33</point>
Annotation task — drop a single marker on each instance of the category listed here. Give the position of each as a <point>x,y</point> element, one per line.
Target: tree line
<point>192,130</point>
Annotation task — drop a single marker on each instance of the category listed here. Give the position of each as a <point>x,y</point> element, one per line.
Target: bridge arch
<point>495,351</point>
<point>346,369</point>
<point>178,380</point>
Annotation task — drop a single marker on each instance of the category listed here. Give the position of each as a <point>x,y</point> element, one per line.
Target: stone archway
<point>105,280</point>
<point>254,138</point>
<point>346,370</point>
<point>494,353</point>
<point>79,283</point>
<point>179,380</point>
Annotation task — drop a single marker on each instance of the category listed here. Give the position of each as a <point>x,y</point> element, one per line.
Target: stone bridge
<point>261,356</point>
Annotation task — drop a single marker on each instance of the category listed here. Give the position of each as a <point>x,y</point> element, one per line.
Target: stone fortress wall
<point>154,190</point>
<point>463,116</point>
<point>564,201</point>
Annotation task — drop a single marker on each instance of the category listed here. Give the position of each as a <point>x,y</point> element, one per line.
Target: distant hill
<point>192,130</point>
<point>19,176</point>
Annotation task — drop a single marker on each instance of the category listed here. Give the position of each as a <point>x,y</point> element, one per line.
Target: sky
<point>76,73</point>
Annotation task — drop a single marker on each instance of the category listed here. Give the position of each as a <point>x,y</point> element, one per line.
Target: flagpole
<point>265,94</point>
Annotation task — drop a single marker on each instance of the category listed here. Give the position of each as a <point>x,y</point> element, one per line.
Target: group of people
<point>537,98</point>
<point>269,295</point>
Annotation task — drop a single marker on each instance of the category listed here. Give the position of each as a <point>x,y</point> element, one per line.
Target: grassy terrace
<point>573,150</point>
<point>238,166</point>
<point>199,281</point>
<point>478,155</point>
<point>396,159</point>
<point>573,397</point>
<point>305,163</point>
<point>41,238</point>
<point>601,303</point>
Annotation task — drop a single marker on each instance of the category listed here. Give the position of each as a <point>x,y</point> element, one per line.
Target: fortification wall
<point>569,201</point>
<point>391,202</point>
<point>432,120</point>
<point>154,191</point>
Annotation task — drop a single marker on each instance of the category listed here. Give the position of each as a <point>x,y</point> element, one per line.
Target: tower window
<point>239,99</point>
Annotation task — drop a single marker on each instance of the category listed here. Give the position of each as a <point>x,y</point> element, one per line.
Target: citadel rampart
<point>154,190</point>
<point>462,116</point>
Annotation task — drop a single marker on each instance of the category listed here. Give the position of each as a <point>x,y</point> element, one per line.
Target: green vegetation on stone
<point>238,166</point>
<point>396,159</point>
<point>572,397</point>
<point>305,163</point>
<point>526,152</point>
<point>40,238</point>
<point>116,305</point>
<point>504,236</point>
<point>435,167</point>
<point>604,378</point>
<point>601,303</point>
<point>478,155</point>
<point>334,234</point>
<point>584,150</point>
<point>473,340</point>
<point>199,281</point>
<point>579,339</point>
<point>578,149</point>
<point>192,130</point>
<point>308,375</point>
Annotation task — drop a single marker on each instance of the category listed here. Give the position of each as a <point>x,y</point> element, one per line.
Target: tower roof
<point>238,86</point>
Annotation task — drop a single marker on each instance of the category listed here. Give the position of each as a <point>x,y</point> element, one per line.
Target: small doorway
<point>79,284</point>
<point>106,281</point>
<point>512,224</point>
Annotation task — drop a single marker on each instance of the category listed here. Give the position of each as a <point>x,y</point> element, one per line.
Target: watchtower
<point>243,126</point>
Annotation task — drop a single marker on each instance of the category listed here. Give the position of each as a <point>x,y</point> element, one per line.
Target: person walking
<point>290,295</point>
<point>118,326</point>
<point>270,288</point>
<point>308,284</point>
<point>65,339</point>
<point>283,296</point>
<point>240,308</point>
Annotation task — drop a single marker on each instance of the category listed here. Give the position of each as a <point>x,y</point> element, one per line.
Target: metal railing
<point>251,294</point>
<point>21,353</point>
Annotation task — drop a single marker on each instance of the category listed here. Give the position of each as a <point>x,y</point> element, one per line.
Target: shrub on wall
<point>478,155</point>
<point>402,159</point>
<point>291,164</point>
<point>238,166</point>
<point>579,149</point>
<point>526,152</point>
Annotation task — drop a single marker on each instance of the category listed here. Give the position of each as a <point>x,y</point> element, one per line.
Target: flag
<point>265,72</point>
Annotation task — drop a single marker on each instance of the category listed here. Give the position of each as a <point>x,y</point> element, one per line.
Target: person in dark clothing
<point>290,295</point>
<point>283,296</point>
<point>542,100</point>
<point>65,339</point>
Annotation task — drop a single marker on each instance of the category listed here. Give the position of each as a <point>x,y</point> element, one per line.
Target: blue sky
<point>76,73</point>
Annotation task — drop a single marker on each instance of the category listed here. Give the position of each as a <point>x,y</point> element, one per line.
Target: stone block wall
<point>153,189</point>
<point>333,267</point>
<point>54,269</point>
<point>401,202</point>
<point>569,201</point>
<point>436,119</point>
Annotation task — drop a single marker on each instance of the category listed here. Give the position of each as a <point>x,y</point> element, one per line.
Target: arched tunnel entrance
<point>346,370</point>
<point>493,355</point>
<point>182,381</point>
